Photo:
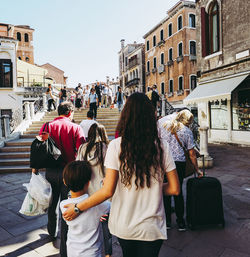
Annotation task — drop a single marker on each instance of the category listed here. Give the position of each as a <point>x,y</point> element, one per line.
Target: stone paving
<point>27,236</point>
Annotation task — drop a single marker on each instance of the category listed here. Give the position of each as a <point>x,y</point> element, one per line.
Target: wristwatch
<point>76,209</point>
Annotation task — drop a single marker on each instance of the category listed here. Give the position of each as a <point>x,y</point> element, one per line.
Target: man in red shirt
<point>68,136</point>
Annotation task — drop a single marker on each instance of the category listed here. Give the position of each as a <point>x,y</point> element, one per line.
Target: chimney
<point>122,43</point>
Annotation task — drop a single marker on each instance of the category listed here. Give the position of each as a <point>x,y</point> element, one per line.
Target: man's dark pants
<point>59,192</point>
<point>93,108</point>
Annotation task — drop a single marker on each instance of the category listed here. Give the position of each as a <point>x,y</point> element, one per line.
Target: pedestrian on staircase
<point>93,102</point>
<point>68,136</point>
<point>50,98</point>
<point>86,124</point>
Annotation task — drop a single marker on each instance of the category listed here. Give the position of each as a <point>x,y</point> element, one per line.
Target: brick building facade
<point>223,60</point>
<point>170,56</point>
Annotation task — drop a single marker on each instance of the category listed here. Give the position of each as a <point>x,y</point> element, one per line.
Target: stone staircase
<point>14,156</point>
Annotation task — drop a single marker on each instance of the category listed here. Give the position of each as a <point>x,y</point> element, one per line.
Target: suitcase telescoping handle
<point>203,166</point>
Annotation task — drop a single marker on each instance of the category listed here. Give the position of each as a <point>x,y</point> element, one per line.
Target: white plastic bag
<point>30,207</point>
<point>39,196</point>
<point>40,189</point>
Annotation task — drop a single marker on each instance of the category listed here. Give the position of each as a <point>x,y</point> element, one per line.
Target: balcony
<point>161,68</point>
<point>147,73</point>
<point>170,94</point>
<point>180,92</point>
<point>192,57</point>
<point>171,62</point>
<point>179,59</point>
<point>133,82</point>
<point>162,42</point>
<point>154,70</point>
<point>133,63</point>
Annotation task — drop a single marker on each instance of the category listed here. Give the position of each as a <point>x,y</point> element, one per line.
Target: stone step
<point>19,143</point>
<point>15,149</point>
<point>15,169</point>
<point>14,162</point>
<point>14,155</point>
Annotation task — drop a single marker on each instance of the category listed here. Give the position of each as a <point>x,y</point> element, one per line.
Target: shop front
<point>224,107</point>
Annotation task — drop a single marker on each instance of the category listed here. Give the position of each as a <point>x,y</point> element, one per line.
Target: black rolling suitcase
<point>204,204</point>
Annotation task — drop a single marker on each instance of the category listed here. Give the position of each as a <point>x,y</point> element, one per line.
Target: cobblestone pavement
<point>27,236</point>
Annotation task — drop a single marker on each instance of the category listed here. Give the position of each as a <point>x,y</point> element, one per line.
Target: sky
<point>83,37</point>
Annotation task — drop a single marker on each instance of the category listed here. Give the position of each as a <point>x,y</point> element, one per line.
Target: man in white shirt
<point>105,92</point>
<point>86,124</point>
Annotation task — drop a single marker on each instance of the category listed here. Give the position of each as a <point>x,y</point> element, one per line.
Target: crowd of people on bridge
<point>127,183</point>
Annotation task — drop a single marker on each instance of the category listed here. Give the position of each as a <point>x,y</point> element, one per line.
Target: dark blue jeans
<point>59,193</point>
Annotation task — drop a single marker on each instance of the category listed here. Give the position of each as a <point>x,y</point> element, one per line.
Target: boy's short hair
<point>90,114</point>
<point>65,108</point>
<point>76,175</point>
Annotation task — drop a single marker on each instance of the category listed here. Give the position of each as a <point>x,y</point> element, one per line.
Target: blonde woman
<point>174,130</point>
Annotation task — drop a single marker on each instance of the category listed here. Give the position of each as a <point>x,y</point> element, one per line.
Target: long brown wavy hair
<point>141,152</point>
<point>97,138</point>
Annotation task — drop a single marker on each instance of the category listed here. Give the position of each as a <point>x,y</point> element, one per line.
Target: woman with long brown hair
<point>135,166</point>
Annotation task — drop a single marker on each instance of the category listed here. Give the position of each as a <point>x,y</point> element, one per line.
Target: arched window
<point>154,62</point>
<point>180,25</point>
<point>18,36</point>
<point>27,59</point>
<point>162,35</point>
<point>180,83</point>
<point>180,52</point>
<point>162,58</point>
<point>171,86</point>
<point>192,20</point>
<point>154,40</point>
<point>162,88</point>
<point>193,82</point>
<point>214,28</point>
<point>148,66</point>
<point>26,37</point>
<point>170,29</point>
<point>147,45</point>
<point>170,54</point>
<point>192,48</point>
<point>136,74</point>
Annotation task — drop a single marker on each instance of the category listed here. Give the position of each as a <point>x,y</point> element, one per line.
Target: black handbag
<point>44,153</point>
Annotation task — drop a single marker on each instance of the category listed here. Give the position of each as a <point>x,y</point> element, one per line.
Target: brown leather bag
<point>190,168</point>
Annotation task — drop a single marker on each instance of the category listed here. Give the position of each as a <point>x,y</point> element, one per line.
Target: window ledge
<point>213,55</point>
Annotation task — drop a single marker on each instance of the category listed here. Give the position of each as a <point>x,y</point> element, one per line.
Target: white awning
<point>214,90</point>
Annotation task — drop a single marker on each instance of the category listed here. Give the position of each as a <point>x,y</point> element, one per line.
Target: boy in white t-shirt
<point>84,237</point>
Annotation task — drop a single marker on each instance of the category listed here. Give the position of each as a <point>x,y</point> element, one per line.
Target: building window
<point>154,40</point>
<point>26,37</point>
<point>179,22</point>
<point>18,36</point>
<point>180,53</point>
<point>218,114</point>
<point>154,62</point>
<point>192,48</point>
<point>214,27</point>
<point>170,29</point>
<point>162,88</point>
<point>193,82</point>
<point>147,45</point>
<point>180,86</point>
<point>6,73</point>
<point>27,59</point>
<point>171,86</point>
<point>210,29</point>
<point>148,66</point>
<point>126,61</point>
<point>162,35</point>
<point>162,58</point>
<point>19,57</point>
<point>191,20</point>
<point>170,54</point>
